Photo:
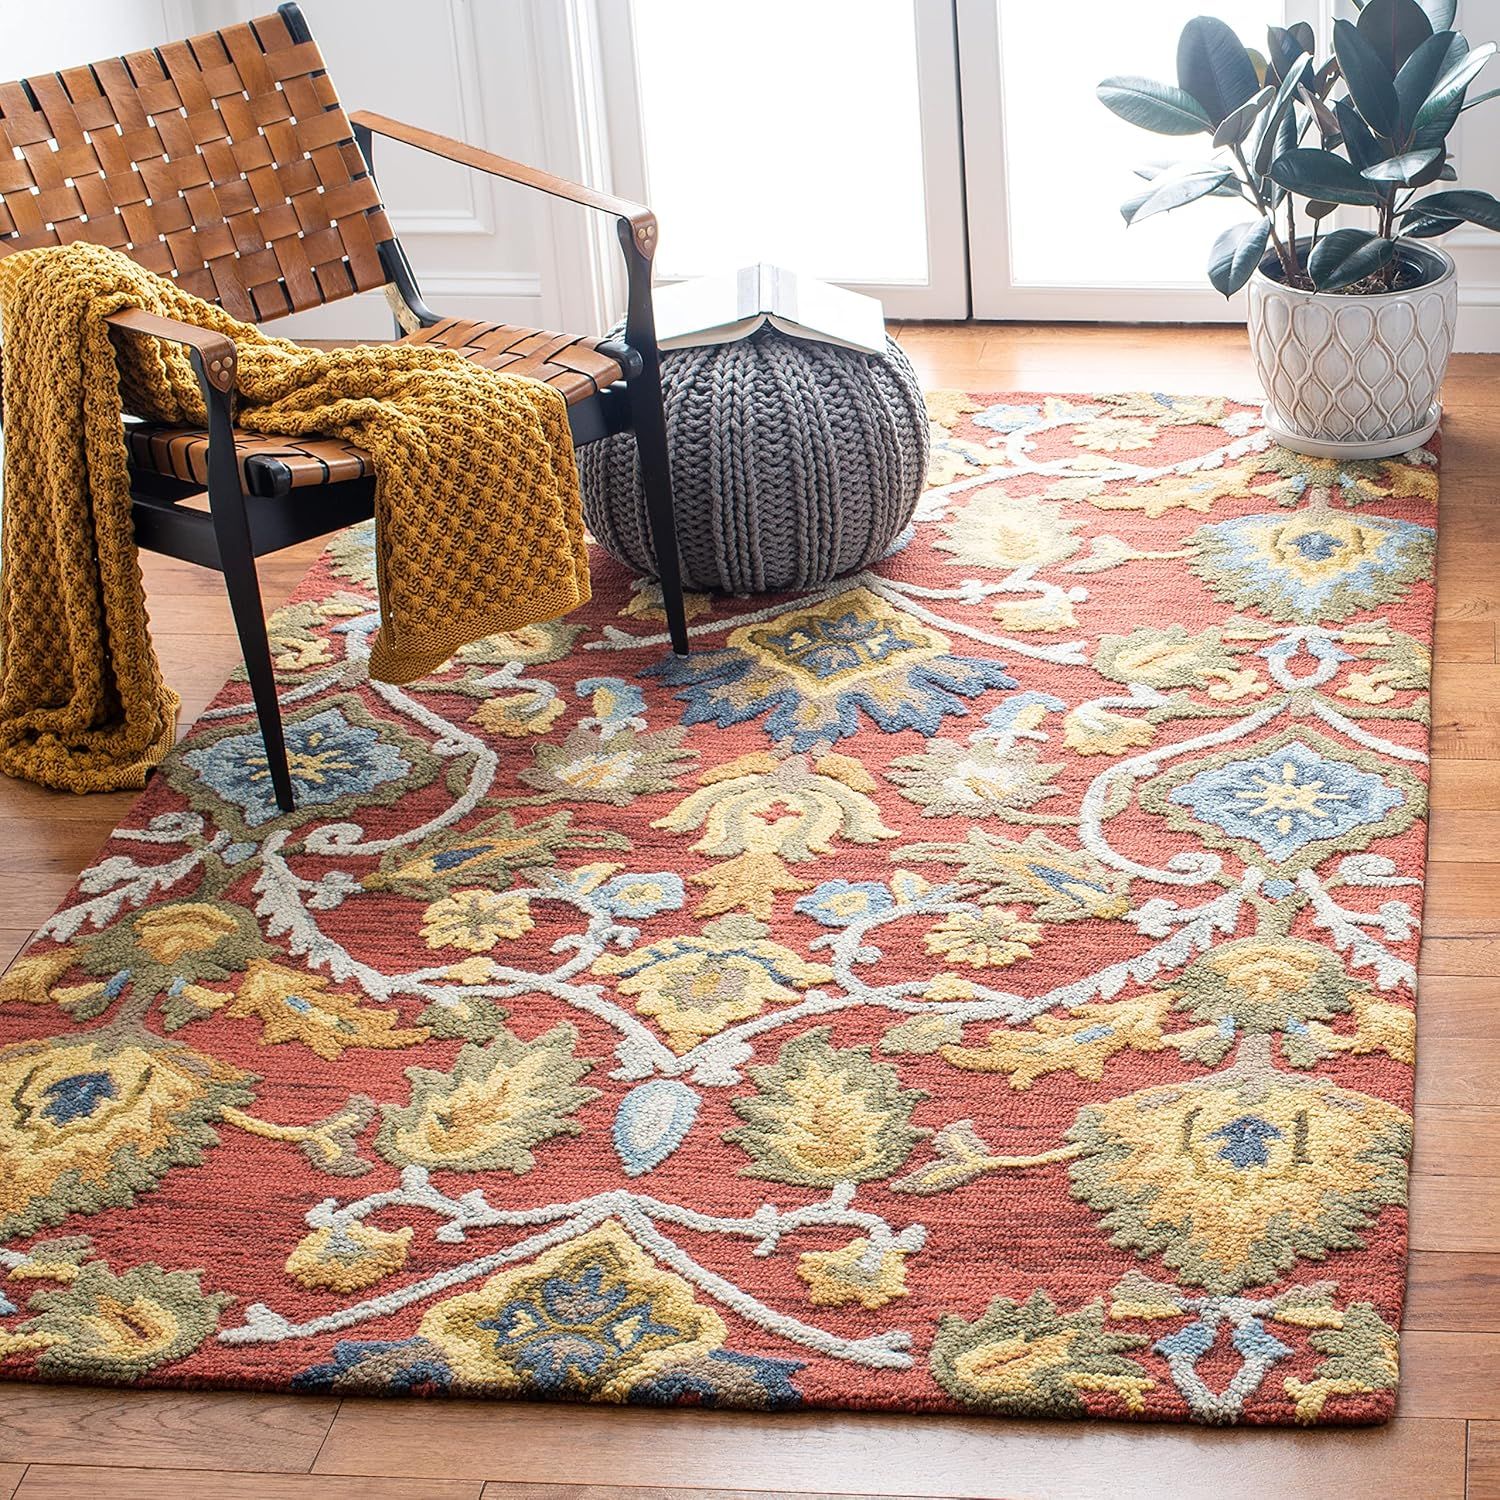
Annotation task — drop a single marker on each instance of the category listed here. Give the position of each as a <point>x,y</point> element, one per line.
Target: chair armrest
<point>215,350</point>
<point>641,220</point>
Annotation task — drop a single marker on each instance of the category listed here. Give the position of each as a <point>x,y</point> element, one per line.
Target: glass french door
<point>948,156</point>
<point>1047,165</point>
<point>822,135</point>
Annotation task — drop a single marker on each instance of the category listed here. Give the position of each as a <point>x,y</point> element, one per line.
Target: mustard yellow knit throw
<point>478,521</point>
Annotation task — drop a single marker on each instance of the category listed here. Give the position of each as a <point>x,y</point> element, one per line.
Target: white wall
<point>38,37</point>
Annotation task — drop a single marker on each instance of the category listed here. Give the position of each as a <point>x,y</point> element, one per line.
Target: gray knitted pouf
<point>792,462</point>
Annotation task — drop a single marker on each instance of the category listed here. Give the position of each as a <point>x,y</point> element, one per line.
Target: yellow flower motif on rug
<point>348,1258</point>
<point>857,1273</point>
<point>295,1006</point>
<point>693,987</point>
<point>475,920</point>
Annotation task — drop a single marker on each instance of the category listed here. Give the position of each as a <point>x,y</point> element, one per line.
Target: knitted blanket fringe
<point>479,525</point>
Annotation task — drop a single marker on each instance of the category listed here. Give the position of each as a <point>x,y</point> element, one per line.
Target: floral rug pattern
<point>982,984</point>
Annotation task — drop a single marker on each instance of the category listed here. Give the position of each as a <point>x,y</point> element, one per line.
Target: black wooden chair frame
<point>238,526</point>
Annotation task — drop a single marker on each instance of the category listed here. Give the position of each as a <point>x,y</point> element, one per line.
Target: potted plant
<point>1350,326</point>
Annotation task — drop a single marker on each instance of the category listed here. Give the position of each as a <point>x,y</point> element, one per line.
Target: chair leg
<point>648,417</point>
<point>243,587</point>
<point>226,503</point>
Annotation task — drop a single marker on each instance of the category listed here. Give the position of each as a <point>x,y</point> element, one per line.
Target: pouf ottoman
<point>793,461</point>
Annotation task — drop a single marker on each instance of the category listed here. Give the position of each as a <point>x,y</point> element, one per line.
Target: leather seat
<point>271,466</point>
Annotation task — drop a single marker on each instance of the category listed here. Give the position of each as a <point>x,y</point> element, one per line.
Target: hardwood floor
<point>79,1444</point>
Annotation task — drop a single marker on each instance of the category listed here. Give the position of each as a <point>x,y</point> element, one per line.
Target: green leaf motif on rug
<point>823,1115</point>
<point>491,1107</point>
<point>1030,1360</point>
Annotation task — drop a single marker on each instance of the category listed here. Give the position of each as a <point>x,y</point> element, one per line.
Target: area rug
<point>982,985</point>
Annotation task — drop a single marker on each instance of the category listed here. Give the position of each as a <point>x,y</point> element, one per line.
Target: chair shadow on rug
<point>228,163</point>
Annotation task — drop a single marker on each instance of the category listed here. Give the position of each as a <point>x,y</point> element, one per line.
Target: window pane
<point>1069,161</point>
<point>787,131</point>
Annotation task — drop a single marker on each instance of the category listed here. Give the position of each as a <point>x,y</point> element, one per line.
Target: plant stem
<point>1288,259</point>
<point>1387,226</point>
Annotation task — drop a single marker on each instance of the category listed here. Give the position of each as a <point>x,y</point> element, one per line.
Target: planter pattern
<point>1345,368</point>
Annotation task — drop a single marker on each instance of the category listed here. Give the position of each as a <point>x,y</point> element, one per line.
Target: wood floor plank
<point>1464,640</point>
<point>503,1490</point>
<point>1464,836</point>
<point>1463,898</point>
<point>1484,1461</point>
<point>10,1477</point>
<point>1452,1292</point>
<point>1458,1005</point>
<point>59,1482</point>
<point>1450,1375</point>
<point>12,940</point>
<point>830,1452</point>
<point>172,1429</point>
<point>1465,784</point>
<point>1455,1212</point>
<point>1456,1140</point>
<point>1458,956</point>
<point>1458,1069</point>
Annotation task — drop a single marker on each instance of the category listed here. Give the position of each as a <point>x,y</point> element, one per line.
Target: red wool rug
<point>984,984</point>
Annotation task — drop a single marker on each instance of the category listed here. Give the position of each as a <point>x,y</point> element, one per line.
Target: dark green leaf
<point>1314,209</point>
<point>1321,174</point>
<point>1371,83</point>
<point>1236,254</point>
<point>1327,122</point>
<point>1364,150</point>
<point>1480,98</point>
<point>1172,192</point>
<point>1395,29</point>
<point>1264,150</point>
<point>1290,52</point>
<point>1461,203</point>
<point>1423,228</point>
<point>1346,256</point>
<point>1440,170</point>
<point>1161,107</point>
<point>1440,13</point>
<point>1214,67</point>
<point>1421,70</point>
<point>1237,123</point>
<point>1402,169</point>
<point>1435,118</point>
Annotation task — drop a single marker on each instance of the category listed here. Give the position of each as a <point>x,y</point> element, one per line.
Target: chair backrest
<point>225,161</point>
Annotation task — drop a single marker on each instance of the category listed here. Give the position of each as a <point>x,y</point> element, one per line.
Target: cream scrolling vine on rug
<point>1262,748</point>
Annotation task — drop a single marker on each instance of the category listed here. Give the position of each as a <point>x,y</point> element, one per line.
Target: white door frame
<point>996,295</point>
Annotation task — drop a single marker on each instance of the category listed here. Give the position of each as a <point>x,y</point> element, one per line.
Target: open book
<point>721,309</point>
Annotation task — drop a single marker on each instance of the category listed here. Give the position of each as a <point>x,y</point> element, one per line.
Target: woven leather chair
<point>227,162</point>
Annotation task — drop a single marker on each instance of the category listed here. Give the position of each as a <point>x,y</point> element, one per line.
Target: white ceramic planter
<point>1354,376</point>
